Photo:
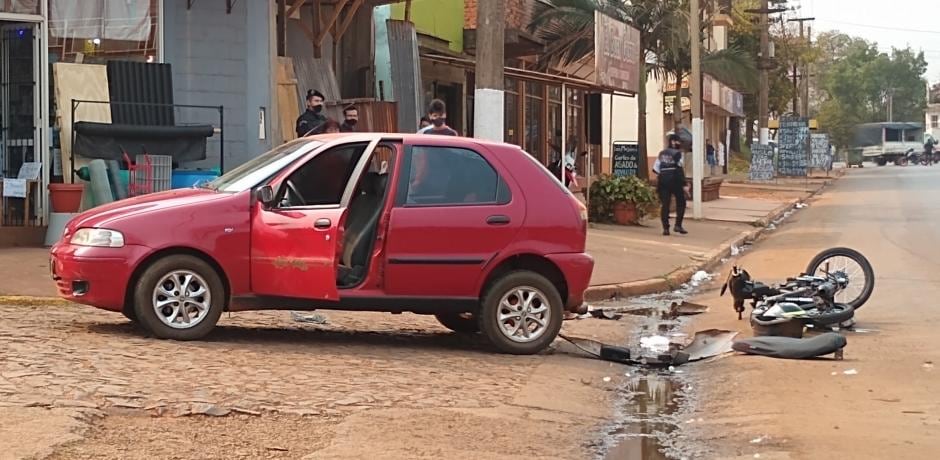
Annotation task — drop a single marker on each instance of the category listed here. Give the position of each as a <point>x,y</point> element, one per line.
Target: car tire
<point>130,313</point>
<point>498,314</point>
<point>200,300</point>
<point>459,323</point>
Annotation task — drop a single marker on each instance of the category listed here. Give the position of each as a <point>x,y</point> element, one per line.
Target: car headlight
<point>98,237</point>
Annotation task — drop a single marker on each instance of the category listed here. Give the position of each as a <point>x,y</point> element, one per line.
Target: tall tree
<point>856,81</point>
<point>568,27</point>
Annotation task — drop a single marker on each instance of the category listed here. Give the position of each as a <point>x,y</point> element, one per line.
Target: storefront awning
<point>527,74</point>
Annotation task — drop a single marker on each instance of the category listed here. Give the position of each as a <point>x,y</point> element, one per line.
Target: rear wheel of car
<point>179,297</point>
<point>465,323</point>
<point>521,313</point>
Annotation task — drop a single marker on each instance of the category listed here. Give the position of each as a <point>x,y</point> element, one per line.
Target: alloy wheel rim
<point>182,299</point>
<point>524,314</point>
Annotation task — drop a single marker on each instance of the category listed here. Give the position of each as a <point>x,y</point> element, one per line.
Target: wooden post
<point>488,112</point>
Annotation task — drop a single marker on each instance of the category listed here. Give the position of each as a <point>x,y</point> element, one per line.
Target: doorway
<point>20,120</point>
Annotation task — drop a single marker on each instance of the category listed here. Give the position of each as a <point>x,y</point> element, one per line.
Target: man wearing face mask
<point>351,119</point>
<point>313,119</point>
<point>670,183</point>
<point>437,112</point>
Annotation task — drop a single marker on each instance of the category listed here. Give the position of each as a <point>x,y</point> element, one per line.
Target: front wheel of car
<point>521,313</point>
<point>179,297</point>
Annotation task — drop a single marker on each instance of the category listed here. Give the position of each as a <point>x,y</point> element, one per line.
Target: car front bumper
<point>94,276</point>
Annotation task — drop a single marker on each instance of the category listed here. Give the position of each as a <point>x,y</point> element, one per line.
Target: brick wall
<point>518,14</point>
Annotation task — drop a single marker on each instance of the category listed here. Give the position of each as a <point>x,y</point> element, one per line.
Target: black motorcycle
<point>836,283</point>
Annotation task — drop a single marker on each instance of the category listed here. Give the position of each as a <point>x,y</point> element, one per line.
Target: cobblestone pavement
<point>255,362</point>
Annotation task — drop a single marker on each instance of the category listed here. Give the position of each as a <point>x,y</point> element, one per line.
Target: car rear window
<point>442,176</point>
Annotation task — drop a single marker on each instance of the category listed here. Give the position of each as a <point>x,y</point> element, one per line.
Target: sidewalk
<point>632,260</point>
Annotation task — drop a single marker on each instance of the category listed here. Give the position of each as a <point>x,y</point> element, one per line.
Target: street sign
<point>762,163</point>
<point>625,158</point>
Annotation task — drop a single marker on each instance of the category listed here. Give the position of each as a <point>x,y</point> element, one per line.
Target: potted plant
<point>623,200</point>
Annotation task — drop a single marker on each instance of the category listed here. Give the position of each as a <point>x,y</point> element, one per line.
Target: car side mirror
<point>265,196</point>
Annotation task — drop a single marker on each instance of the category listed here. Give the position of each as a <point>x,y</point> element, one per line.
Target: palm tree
<point>568,27</point>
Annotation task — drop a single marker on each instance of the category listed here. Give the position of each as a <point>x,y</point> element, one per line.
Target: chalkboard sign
<point>793,144</point>
<point>821,153</point>
<point>626,159</point>
<point>762,163</point>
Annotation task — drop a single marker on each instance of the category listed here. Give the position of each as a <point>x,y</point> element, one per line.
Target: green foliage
<point>609,190</point>
<point>856,80</point>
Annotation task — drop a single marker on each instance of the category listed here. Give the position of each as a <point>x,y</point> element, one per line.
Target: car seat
<point>364,212</point>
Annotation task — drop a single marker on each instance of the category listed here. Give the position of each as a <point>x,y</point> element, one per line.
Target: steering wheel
<point>294,195</point>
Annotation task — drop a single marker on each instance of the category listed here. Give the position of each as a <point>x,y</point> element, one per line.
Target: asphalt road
<point>889,407</point>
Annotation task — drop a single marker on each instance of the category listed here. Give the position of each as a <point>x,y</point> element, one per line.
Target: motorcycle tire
<point>857,257</point>
<point>839,314</point>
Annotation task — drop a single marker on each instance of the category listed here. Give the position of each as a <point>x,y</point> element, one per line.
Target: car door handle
<point>498,219</point>
<point>322,224</point>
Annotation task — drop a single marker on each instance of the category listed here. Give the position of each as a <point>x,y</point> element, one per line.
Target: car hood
<point>105,215</point>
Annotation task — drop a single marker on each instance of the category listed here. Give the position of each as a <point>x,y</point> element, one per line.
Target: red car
<point>478,234</point>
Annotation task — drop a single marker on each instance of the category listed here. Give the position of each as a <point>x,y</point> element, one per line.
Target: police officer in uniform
<point>671,182</point>
<point>313,119</point>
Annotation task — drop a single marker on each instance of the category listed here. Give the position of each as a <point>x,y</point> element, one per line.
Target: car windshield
<point>254,171</point>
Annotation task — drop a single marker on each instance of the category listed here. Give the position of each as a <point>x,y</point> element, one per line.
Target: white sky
<point>893,23</point>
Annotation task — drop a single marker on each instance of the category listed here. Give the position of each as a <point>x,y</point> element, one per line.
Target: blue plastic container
<point>187,178</point>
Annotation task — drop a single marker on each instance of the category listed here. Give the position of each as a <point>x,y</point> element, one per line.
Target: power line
<point>873,26</point>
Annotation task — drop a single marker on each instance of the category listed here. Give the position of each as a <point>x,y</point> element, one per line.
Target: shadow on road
<point>298,337</point>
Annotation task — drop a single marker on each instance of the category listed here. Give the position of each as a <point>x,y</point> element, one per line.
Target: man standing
<point>313,119</point>
<point>437,113</point>
<point>670,183</point>
<point>351,119</point>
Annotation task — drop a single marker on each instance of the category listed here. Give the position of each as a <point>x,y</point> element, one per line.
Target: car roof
<point>426,139</point>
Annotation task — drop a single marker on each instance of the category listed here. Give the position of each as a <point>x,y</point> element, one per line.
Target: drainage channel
<point>647,419</point>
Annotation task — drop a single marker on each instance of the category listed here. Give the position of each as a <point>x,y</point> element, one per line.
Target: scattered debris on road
<point>792,348</point>
<point>313,318</point>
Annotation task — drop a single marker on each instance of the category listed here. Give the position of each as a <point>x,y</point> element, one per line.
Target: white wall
<point>626,117</point>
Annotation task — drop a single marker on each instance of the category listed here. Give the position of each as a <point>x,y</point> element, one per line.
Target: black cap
<point>674,137</point>
<point>313,92</point>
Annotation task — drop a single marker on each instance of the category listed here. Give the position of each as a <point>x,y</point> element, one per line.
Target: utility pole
<point>807,72</point>
<point>764,63</point>
<point>762,104</point>
<point>488,108</point>
<point>698,125</point>
<point>799,92</point>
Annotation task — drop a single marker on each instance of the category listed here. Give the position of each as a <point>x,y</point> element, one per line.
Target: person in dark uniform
<point>313,119</point>
<point>350,119</point>
<point>671,183</point>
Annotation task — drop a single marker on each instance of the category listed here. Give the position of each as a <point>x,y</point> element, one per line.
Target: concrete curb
<point>683,274</point>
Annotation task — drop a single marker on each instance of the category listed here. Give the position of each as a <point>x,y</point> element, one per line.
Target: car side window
<point>450,176</point>
<point>322,180</point>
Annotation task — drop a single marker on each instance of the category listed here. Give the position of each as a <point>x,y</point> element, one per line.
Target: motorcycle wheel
<point>857,268</point>
<point>839,314</point>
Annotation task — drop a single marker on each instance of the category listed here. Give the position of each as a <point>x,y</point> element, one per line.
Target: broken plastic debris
<point>314,318</point>
<point>801,205</point>
<point>850,372</point>
<point>700,276</point>
<point>656,343</point>
<point>735,250</point>
<point>757,440</point>
<point>771,227</point>
<point>606,379</point>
